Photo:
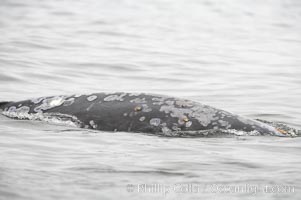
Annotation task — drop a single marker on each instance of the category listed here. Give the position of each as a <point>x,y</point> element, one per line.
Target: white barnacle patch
<point>169,102</point>
<point>155,121</point>
<point>138,100</point>
<point>23,109</point>
<point>174,112</point>
<point>12,109</point>
<point>57,101</point>
<point>92,124</point>
<point>223,123</point>
<point>180,121</point>
<point>158,103</point>
<point>145,108</point>
<point>68,102</point>
<point>179,113</point>
<point>184,103</point>
<point>203,118</point>
<point>125,114</point>
<point>49,103</point>
<point>188,124</point>
<point>20,113</point>
<point>142,118</point>
<point>37,100</point>
<point>115,97</point>
<point>166,131</point>
<point>91,98</point>
<point>204,114</point>
<point>38,109</point>
<point>158,100</point>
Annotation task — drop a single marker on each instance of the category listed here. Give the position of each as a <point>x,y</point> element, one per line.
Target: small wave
<point>7,78</point>
<point>110,170</point>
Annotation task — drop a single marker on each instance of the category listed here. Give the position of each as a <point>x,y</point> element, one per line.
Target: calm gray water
<point>241,56</point>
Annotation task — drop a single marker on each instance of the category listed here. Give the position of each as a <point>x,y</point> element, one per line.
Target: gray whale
<point>133,112</point>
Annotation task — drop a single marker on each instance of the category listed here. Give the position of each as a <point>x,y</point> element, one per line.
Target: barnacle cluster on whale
<point>137,112</point>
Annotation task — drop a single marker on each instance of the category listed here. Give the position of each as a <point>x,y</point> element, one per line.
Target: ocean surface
<point>243,56</point>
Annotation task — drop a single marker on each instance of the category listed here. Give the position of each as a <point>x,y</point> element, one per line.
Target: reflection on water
<point>241,56</point>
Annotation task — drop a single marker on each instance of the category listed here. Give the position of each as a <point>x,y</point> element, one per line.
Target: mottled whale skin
<point>133,112</point>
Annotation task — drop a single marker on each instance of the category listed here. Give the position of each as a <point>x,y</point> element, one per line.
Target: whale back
<point>135,113</point>
<point>3,103</point>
